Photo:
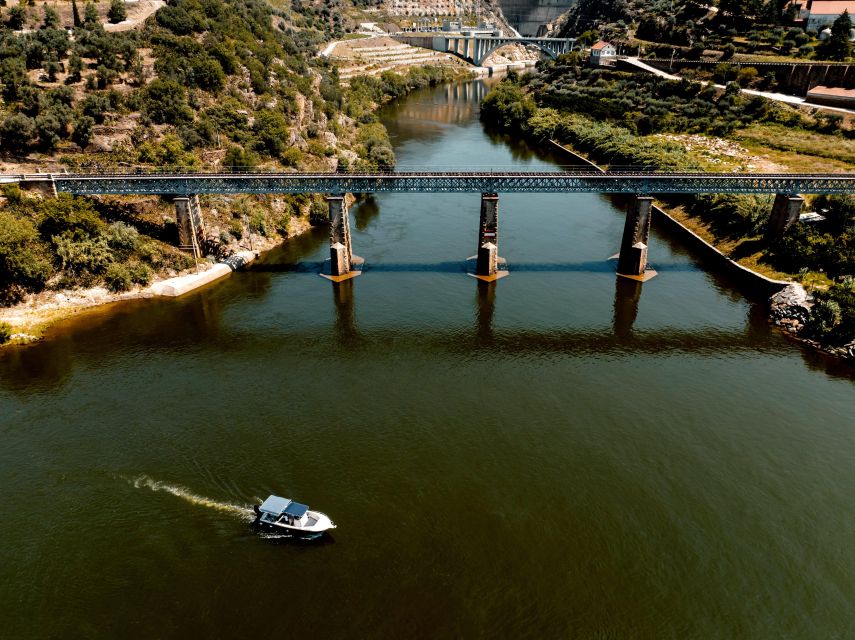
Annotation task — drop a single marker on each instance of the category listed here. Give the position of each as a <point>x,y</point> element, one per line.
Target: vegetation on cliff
<point>202,83</point>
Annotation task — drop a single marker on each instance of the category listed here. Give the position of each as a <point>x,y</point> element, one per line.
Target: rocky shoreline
<point>789,310</point>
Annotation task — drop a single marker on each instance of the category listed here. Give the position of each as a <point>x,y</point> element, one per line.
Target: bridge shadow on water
<point>195,323</point>
<point>591,266</point>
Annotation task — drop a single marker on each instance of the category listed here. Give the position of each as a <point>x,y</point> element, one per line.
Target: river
<point>559,454</point>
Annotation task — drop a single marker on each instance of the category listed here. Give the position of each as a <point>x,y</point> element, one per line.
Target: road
<point>777,97</point>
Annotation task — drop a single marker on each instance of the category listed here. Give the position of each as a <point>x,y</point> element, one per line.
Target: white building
<point>602,52</point>
<point>819,14</point>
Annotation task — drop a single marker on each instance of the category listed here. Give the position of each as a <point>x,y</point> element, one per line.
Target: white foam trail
<point>143,481</point>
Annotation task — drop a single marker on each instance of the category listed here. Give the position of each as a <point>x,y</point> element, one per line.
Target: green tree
<point>91,19</point>
<point>838,47</point>
<point>48,130</point>
<point>13,78</point>
<point>75,13</point>
<point>117,12</point>
<point>51,18</point>
<point>165,102</point>
<point>271,130</point>
<point>237,158</point>
<point>16,18</point>
<point>75,67</point>
<point>83,131</point>
<point>16,133</point>
<point>23,265</point>
<point>51,67</point>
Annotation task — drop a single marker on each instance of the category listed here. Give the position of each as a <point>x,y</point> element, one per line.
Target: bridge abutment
<point>342,264</point>
<point>785,212</point>
<point>191,226</point>
<point>488,265</point>
<point>632,260</point>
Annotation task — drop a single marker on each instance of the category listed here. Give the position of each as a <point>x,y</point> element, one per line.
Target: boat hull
<point>319,528</point>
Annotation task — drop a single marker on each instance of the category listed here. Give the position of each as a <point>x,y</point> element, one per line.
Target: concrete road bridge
<point>185,187</point>
<point>475,48</point>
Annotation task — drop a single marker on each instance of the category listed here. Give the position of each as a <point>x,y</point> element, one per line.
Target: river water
<point>559,454</point>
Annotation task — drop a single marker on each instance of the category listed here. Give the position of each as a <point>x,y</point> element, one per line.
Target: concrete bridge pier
<point>342,264</point>
<point>191,226</point>
<point>785,212</point>
<point>632,260</point>
<point>488,266</point>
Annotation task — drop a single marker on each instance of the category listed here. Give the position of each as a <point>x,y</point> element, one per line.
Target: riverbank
<point>790,304</point>
<point>816,253</point>
<point>127,254</point>
<point>28,320</point>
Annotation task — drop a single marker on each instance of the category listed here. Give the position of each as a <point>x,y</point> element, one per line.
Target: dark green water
<point>556,455</point>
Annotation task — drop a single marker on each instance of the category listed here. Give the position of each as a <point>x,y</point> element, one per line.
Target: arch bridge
<point>475,48</point>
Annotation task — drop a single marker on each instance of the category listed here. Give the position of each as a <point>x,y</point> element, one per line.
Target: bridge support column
<point>342,264</point>
<point>191,227</point>
<point>632,260</point>
<point>785,212</point>
<point>488,265</point>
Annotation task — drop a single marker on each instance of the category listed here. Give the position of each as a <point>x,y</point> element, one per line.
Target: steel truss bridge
<point>616,182</point>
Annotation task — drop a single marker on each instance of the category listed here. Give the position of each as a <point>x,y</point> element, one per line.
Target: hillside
<point>194,83</point>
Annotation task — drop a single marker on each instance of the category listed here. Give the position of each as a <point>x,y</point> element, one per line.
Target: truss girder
<point>438,182</point>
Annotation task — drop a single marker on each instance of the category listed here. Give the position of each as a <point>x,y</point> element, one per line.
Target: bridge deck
<point>572,181</point>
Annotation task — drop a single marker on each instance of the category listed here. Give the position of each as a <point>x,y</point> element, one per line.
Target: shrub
<point>258,223</point>
<point>80,254</point>
<point>271,131</point>
<point>23,265</point>
<point>237,158</point>
<point>746,76</point>
<point>292,157</point>
<point>283,225</point>
<point>118,277</point>
<point>123,237</point>
<point>17,132</point>
<point>165,102</point>
<point>824,318</point>
<point>236,229</point>
<point>83,131</point>
<point>12,193</point>
<point>319,212</point>
<point>5,332</point>
<point>67,214</point>
<point>117,12</point>
<point>140,273</point>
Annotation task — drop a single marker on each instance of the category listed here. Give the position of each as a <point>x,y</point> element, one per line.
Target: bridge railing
<point>428,171</point>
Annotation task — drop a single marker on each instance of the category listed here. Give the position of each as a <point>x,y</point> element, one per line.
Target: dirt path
<point>138,11</point>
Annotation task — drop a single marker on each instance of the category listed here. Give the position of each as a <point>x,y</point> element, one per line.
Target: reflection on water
<point>485,310</point>
<point>627,296</point>
<point>346,331</point>
<point>366,212</point>
<point>682,470</point>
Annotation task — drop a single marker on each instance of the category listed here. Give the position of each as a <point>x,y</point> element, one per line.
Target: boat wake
<point>243,512</point>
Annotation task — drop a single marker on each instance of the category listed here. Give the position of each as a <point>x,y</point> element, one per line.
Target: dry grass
<point>729,247</point>
<point>799,150</point>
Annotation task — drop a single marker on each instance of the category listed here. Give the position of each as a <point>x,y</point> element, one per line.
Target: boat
<point>281,515</point>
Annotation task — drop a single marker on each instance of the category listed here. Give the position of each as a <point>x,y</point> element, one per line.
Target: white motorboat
<point>281,515</point>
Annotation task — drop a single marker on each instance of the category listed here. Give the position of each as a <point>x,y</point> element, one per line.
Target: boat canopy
<point>274,505</point>
<point>296,509</point>
<point>277,506</point>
